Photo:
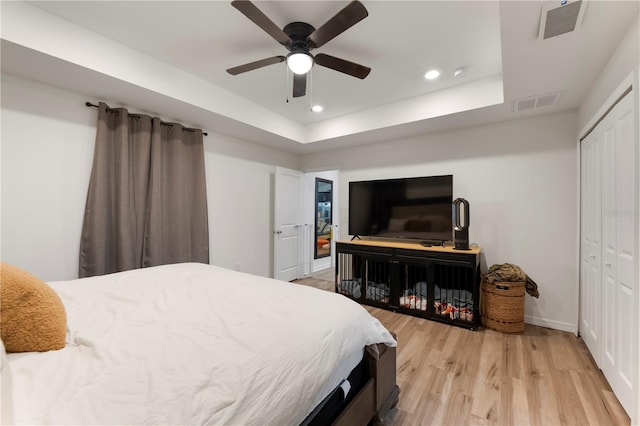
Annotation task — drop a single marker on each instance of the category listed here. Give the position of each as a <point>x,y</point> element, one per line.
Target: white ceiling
<point>399,40</point>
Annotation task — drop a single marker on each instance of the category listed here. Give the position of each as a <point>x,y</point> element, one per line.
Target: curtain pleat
<point>146,203</point>
<point>177,213</point>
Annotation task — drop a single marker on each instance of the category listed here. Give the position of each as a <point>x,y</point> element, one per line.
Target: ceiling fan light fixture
<point>299,63</point>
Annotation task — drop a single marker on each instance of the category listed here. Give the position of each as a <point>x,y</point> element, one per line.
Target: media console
<point>436,283</point>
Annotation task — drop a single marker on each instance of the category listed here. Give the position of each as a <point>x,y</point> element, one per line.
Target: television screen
<point>402,208</point>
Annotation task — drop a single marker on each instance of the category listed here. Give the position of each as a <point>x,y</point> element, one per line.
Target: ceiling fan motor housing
<point>299,32</point>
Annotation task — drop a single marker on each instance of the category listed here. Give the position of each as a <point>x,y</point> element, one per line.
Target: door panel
<point>609,305</point>
<point>626,362</point>
<point>625,257</point>
<point>609,317</point>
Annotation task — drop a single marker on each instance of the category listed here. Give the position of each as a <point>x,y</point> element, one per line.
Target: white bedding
<point>190,344</point>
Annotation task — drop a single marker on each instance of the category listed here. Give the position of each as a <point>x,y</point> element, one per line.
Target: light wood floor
<point>453,376</point>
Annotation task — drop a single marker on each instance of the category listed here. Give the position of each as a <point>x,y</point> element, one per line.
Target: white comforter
<point>190,344</point>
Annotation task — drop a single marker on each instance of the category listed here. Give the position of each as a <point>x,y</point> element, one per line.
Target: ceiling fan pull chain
<point>286,85</point>
<point>310,87</point>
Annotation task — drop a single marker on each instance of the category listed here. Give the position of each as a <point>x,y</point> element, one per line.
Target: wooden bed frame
<point>379,395</point>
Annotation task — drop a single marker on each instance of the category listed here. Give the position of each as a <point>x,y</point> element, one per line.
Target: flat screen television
<point>417,208</point>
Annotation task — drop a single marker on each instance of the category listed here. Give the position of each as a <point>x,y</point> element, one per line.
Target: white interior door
<point>619,257</point>
<point>590,246</point>
<point>288,224</point>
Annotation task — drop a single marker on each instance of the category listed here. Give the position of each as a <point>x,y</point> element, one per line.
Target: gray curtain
<point>147,200</point>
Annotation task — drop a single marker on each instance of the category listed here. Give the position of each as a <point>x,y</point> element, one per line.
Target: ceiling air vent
<point>560,17</point>
<point>539,101</point>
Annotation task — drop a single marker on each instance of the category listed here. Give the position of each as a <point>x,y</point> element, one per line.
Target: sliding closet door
<point>619,256</point>
<point>590,246</point>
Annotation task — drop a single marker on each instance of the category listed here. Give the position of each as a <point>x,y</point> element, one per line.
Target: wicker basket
<point>502,306</point>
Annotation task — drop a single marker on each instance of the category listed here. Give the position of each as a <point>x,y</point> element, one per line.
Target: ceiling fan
<point>300,38</point>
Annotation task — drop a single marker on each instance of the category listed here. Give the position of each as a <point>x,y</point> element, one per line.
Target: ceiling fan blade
<point>255,65</point>
<point>341,65</point>
<point>299,85</point>
<point>252,12</point>
<point>353,13</point>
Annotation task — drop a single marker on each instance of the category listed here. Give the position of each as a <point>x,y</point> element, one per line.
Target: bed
<point>198,344</point>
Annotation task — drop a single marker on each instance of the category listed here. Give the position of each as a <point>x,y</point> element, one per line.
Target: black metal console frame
<point>448,269</point>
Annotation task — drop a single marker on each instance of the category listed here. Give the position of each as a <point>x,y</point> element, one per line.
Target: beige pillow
<point>32,316</point>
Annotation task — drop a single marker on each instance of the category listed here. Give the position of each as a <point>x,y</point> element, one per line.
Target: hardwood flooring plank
<point>506,401</point>
<point>564,351</point>
<point>546,413</point>
<point>591,397</point>
<point>485,409</point>
<point>520,403</point>
<point>490,360</point>
<point>440,392</point>
<point>533,368</point>
<point>570,409</point>
<point>458,400</point>
<point>614,408</point>
<point>512,357</point>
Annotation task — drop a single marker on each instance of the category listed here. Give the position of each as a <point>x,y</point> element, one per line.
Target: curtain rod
<point>89,104</point>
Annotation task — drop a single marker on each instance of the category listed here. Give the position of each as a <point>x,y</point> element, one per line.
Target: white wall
<point>624,60</point>
<point>47,149</point>
<point>520,178</point>
<point>47,141</point>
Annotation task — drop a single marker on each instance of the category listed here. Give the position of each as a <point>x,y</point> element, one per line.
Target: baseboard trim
<point>320,265</point>
<point>556,325</point>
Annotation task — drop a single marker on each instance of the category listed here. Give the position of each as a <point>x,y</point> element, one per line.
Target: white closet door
<point>590,245</point>
<point>619,257</point>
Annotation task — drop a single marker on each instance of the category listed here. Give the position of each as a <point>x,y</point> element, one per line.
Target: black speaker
<point>460,223</point>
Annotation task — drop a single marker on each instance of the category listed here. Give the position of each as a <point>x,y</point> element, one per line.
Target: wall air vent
<point>539,101</point>
<point>560,17</point>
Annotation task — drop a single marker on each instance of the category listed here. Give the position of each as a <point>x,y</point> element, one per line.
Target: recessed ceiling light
<point>432,74</point>
<point>460,72</point>
<point>317,108</point>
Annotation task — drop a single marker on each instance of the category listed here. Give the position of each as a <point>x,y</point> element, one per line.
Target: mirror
<point>324,199</point>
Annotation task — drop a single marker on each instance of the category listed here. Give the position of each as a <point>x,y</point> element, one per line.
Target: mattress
<point>189,344</point>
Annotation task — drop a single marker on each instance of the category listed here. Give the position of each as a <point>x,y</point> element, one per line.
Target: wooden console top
<point>411,246</point>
